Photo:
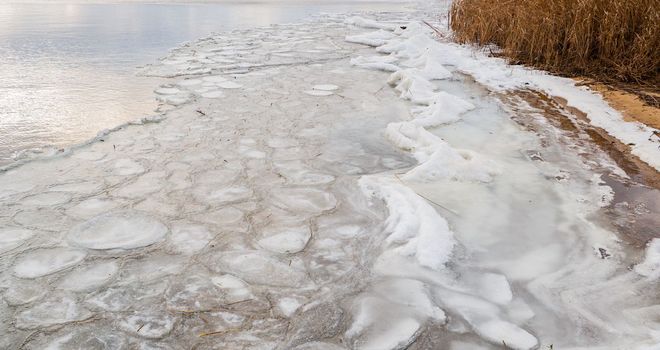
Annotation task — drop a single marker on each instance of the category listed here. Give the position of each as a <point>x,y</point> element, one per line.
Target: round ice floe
<point>285,239</point>
<point>91,207</point>
<point>325,87</point>
<point>90,277</point>
<point>11,238</point>
<point>233,288</point>
<point>304,199</point>
<point>318,92</point>
<point>43,262</point>
<point>118,230</point>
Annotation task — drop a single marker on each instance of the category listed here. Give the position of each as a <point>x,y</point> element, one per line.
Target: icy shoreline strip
<point>497,75</point>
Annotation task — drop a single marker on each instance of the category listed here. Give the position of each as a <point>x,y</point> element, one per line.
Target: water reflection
<point>67,70</point>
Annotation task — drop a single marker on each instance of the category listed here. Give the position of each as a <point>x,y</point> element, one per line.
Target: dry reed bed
<point>611,40</point>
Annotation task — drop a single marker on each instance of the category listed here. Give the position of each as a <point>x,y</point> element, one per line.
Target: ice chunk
<point>429,64</point>
<point>55,311</point>
<point>234,288</point>
<point>11,238</point>
<point>445,108</point>
<point>412,86</point>
<point>650,267</point>
<point>374,329</point>
<point>189,238</point>
<point>413,225</point>
<point>376,38</point>
<point>90,277</point>
<point>118,230</point>
<point>484,319</point>
<point>285,239</point>
<point>384,63</point>
<point>42,262</point>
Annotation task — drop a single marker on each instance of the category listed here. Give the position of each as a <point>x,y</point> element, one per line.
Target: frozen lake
<point>68,69</point>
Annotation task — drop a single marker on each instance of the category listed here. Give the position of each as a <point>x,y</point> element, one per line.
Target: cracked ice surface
<point>292,200</point>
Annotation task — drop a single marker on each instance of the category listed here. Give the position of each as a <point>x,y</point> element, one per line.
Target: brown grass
<point>611,40</point>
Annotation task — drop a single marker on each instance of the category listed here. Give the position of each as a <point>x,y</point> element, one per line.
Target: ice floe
<point>45,261</point>
<point>118,230</point>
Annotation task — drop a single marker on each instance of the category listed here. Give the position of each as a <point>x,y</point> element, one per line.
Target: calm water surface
<point>67,70</point>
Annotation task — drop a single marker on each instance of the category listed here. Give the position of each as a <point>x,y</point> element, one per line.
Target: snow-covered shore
<point>311,192</point>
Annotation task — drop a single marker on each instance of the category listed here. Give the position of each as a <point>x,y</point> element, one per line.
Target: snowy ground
<point>293,199</point>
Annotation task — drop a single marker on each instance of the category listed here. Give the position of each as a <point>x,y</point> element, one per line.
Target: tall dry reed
<point>607,39</point>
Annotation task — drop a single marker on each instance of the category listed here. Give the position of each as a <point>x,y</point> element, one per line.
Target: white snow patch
<point>650,267</point>
<point>288,306</point>
<point>90,277</point>
<point>445,108</point>
<point>414,228</point>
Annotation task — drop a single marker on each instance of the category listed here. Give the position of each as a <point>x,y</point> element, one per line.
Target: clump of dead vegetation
<point>611,40</point>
